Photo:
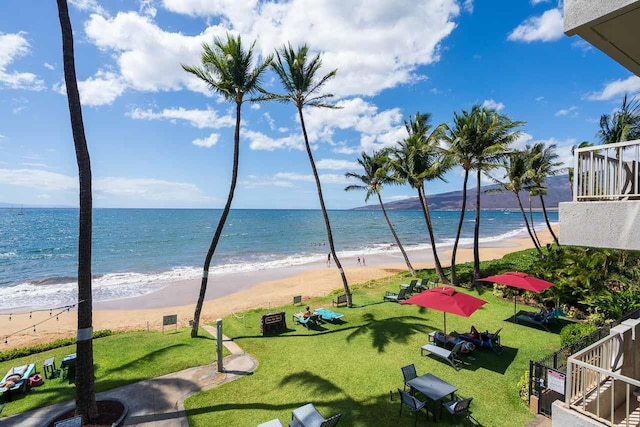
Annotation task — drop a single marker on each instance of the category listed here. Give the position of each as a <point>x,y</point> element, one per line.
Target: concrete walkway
<point>158,401</point>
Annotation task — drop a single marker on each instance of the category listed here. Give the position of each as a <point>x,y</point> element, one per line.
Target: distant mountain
<point>557,191</point>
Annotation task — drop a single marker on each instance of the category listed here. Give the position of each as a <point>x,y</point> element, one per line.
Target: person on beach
<point>358,260</point>
<point>307,313</point>
<point>363,263</point>
<point>329,259</point>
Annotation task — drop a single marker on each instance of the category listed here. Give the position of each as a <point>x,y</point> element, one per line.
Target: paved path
<point>158,401</point>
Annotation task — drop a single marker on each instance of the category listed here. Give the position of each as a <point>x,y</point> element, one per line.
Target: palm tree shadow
<point>386,331</point>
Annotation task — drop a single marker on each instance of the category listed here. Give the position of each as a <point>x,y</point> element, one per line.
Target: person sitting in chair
<point>473,333</point>
<point>466,346</point>
<point>307,313</point>
<point>544,312</point>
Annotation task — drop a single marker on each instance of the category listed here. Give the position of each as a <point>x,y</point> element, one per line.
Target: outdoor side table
<point>49,367</point>
<point>68,366</point>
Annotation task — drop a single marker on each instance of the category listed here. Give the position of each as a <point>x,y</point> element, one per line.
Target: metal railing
<point>593,375</point>
<point>607,172</point>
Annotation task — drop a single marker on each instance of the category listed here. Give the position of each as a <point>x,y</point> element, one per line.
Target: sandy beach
<point>231,293</point>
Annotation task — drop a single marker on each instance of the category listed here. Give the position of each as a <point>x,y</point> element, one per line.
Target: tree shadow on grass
<point>386,331</point>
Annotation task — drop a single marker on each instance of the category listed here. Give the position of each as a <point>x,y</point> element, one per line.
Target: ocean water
<point>137,251</point>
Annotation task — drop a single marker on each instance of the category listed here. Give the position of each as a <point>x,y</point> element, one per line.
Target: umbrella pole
<point>515,319</point>
<point>445,323</point>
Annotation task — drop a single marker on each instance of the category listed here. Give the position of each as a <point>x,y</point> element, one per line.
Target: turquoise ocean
<point>137,251</point>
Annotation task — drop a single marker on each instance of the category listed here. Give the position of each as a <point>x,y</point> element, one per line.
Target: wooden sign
<point>273,323</point>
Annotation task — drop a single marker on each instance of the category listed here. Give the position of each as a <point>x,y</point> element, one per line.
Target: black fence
<point>539,376</point>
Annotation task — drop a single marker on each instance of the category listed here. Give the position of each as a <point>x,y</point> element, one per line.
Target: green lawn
<point>352,367</point>
<point>119,359</point>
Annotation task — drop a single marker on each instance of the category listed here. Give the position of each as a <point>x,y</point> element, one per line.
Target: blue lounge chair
<point>305,321</point>
<point>539,320</point>
<point>327,315</point>
<point>17,378</point>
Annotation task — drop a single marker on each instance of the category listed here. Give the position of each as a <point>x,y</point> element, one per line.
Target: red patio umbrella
<point>516,279</point>
<point>447,300</point>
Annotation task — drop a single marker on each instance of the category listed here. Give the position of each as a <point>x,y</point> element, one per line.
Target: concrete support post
<point>219,344</point>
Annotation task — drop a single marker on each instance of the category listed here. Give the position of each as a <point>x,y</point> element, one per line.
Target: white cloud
<point>571,112</point>
<point>536,2</point>
<point>547,27</point>
<point>468,6</point>
<point>540,98</point>
<point>260,141</point>
<point>522,141</point>
<point>145,191</point>
<point>397,198</point>
<point>38,179</point>
<point>101,89</point>
<point>563,149</point>
<point>336,164</point>
<point>254,181</point>
<point>343,148</point>
<point>207,142</point>
<point>493,105</point>
<point>374,45</point>
<point>147,8</point>
<point>324,178</point>
<point>13,46</point>
<point>49,66</point>
<point>91,6</point>
<point>202,119</point>
<point>616,88</point>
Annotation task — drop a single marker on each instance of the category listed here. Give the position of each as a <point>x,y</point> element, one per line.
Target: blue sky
<point>158,138</point>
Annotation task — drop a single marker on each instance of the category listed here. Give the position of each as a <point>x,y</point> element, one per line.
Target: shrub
<point>573,332</point>
<point>39,348</point>
<point>523,387</point>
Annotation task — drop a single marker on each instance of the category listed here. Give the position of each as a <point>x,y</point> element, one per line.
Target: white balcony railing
<point>596,388</point>
<point>607,172</point>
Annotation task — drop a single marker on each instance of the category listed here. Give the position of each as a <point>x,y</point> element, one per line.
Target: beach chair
<point>409,373</point>
<point>301,320</point>
<point>485,340</point>
<point>541,321</point>
<point>327,315</point>
<point>452,356</point>
<point>458,407</point>
<point>409,286</point>
<point>16,379</point>
<point>309,416</point>
<point>396,296</point>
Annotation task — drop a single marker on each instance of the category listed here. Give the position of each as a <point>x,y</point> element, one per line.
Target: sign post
<point>171,319</point>
<point>219,344</point>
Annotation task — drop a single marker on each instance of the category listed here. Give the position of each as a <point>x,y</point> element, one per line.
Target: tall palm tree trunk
<point>454,278</point>
<point>85,385</point>
<point>546,219</point>
<point>327,224</point>
<point>221,222</point>
<point>476,233</point>
<point>533,226</point>
<point>395,236</point>
<point>427,217</point>
<point>526,223</point>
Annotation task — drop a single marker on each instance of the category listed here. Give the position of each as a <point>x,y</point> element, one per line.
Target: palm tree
<point>543,164</point>
<point>418,159</point>
<point>229,70</point>
<point>297,73</point>
<point>85,385</point>
<point>516,166</point>
<point>478,140</point>
<point>622,125</point>
<point>375,175</point>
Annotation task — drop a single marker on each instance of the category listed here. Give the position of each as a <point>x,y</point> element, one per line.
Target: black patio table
<point>433,387</point>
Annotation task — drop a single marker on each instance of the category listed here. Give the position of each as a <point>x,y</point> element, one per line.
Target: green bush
<point>39,348</point>
<point>523,387</point>
<point>575,331</point>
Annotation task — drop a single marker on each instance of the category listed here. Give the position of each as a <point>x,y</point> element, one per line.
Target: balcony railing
<point>596,388</point>
<point>607,172</point>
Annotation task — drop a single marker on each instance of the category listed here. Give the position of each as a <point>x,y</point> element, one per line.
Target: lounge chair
<point>305,321</point>
<point>327,315</point>
<point>539,320</point>
<point>309,416</point>
<point>409,286</point>
<point>396,296</point>
<point>271,423</point>
<point>486,340</point>
<point>450,356</point>
<point>17,379</point>
<point>412,403</point>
